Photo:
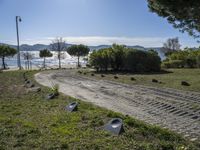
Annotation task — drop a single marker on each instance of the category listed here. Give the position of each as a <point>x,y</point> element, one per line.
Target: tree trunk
<point>3,62</point>
<point>44,63</point>
<point>78,62</point>
<point>59,60</point>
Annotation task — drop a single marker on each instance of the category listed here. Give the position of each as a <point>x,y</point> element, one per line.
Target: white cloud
<point>102,40</point>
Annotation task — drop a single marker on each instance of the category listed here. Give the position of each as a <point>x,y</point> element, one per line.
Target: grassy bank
<point>28,121</point>
<point>171,78</point>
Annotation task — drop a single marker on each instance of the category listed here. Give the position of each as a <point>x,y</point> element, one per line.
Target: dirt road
<point>169,108</point>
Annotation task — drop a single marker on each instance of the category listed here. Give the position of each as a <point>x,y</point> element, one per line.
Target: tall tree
<point>171,45</point>
<point>58,45</point>
<point>182,14</point>
<point>6,51</point>
<point>78,50</point>
<point>45,53</point>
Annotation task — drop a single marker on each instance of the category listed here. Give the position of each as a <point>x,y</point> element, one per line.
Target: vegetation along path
<point>168,108</point>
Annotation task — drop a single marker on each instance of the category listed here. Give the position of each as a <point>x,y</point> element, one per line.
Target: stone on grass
<point>184,83</point>
<point>34,89</point>
<point>30,85</point>
<point>116,77</point>
<point>133,79</point>
<point>72,107</point>
<point>115,126</point>
<point>102,76</point>
<point>50,96</point>
<point>154,80</point>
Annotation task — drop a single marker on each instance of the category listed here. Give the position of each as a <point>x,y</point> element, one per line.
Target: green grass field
<point>28,121</point>
<point>172,79</point>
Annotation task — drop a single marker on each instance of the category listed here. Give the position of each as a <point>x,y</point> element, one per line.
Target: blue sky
<point>90,22</point>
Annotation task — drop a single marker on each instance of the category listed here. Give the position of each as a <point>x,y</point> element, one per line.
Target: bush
<point>119,57</point>
<point>173,64</point>
<point>184,58</point>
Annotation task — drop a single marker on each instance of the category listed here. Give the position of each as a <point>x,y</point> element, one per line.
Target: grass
<point>172,78</point>
<point>28,121</point>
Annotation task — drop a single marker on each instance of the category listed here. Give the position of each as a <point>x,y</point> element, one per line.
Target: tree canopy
<point>171,45</point>
<point>45,53</point>
<point>182,14</point>
<point>6,51</point>
<point>78,50</point>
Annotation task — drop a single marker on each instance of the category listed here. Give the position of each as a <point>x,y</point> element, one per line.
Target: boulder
<point>184,83</point>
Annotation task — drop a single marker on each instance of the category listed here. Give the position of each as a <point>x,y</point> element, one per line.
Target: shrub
<point>173,64</point>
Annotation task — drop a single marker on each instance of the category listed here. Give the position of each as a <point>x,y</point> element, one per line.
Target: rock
<point>50,96</point>
<point>116,77</point>
<point>154,80</point>
<point>115,126</point>
<point>133,79</point>
<point>92,74</point>
<point>29,85</point>
<point>34,89</point>
<point>72,107</point>
<point>184,83</point>
<point>102,76</point>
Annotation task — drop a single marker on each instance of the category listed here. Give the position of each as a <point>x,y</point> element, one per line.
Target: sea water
<point>37,62</point>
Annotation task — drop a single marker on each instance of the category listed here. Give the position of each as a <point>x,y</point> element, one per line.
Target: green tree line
<point>122,58</point>
<point>187,58</point>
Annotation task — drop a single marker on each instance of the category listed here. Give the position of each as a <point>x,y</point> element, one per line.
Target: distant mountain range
<point>38,47</point>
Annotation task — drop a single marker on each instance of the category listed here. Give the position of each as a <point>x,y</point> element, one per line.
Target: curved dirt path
<point>169,108</point>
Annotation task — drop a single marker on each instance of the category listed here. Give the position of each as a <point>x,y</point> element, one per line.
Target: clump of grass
<point>55,89</point>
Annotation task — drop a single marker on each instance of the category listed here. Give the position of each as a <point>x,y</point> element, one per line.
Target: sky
<point>90,22</point>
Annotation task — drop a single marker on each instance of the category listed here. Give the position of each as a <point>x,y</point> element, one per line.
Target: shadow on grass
<point>132,73</point>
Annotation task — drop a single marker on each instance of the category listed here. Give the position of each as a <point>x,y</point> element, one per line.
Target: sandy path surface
<point>169,108</point>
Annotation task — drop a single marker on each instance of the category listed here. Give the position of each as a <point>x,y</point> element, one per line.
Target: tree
<point>182,14</point>
<point>171,45</point>
<point>120,58</point>
<point>6,51</point>
<point>58,45</point>
<point>45,53</point>
<point>118,54</point>
<point>28,57</point>
<point>78,50</point>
